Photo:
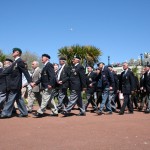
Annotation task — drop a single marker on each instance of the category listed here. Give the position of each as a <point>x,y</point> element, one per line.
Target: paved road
<point>106,132</point>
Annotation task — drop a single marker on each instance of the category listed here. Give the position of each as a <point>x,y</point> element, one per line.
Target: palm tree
<point>2,56</point>
<point>89,54</point>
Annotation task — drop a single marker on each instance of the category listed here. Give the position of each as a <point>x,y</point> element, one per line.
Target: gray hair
<point>1,65</point>
<point>37,63</point>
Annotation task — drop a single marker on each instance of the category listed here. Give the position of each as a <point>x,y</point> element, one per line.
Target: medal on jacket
<point>14,68</point>
<point>44,72</point>
<point>90,79</point>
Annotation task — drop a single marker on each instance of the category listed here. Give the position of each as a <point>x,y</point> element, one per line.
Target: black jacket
<point>77,78</point>
<point>64,77</point>
<point>127,82</point>
<point>91,78</point>
<point>147,82</point>
<point>47,76</point>
<point>15,74</point>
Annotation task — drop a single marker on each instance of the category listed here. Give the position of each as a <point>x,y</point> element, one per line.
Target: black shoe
<point>99,112</point>
<point>22,116</point>
<point>4,117</point>
<point>65,113</point>
<point>38,115</point>
<point>121,113</point>
<point>115,111</point>
<point>53,115</point>
<point>147,111</point>
<point>30,111</point>
<point>81,114</point>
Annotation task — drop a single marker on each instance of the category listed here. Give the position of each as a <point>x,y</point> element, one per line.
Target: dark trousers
<point>62,98</point>
<point>14,95</point>
<point>118,101</point>
<point>75,98</point>
<point>126,102</point>
<point>90,99</point>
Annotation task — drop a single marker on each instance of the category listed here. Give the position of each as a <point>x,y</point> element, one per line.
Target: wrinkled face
<point>56,67</point>
<point>75,60</point>
<point>100,66</point>
<point>7,64</point>
<point>15,54</point>
<point>125,66</point>
<point>34,65</point>
<point>44,59</point>
<point>89,69</point>
<point>61,62</point>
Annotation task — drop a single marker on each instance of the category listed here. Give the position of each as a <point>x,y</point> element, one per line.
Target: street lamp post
<point>108,60</point>
<point>141,59</point>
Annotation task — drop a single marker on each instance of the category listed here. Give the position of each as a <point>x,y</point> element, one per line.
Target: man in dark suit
<point>147,87</point>
<point>62,85</point>
<point>91,88</point>
<point>47,81</point>
<point>14,86</point>
<point>77,85</point>
<point>3,83</point>
<point>127,87</point>
<point>142,90</point>
<point>107,84</point>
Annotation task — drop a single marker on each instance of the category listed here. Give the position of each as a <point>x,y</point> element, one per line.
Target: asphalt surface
<point>90,132</point>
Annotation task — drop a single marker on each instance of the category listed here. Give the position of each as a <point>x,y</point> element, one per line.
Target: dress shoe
<point>99,112</point>
<point>38,115</point>
<point>53,115</point>
<point>121,113</point>
<point>147,111</point>
<point>81,114</point>
<point>4,117</point>
<point>65,113</point>
<point>22,116</point>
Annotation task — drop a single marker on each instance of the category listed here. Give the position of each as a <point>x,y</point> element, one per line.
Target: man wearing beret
<point>62,83</point>
<point>47,81</point>
<point>3,83</point>
<point>15,85</point>
<point>147,87</point>
<point>77,85</point>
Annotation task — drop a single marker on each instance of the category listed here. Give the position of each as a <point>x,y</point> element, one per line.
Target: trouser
<point>112,96</point>
<point>32,96</point>
<point>148,102</point>
<point>105,101</point>
<point>134,99</point>
<point>14,95</point>
<point>126,102</point>
<point>90,99</point>
<point>62,99</point>
<point>117,100</point>
<point>75,98</point>
<point>47,98</point>
<point>143,98</point>
<point>99,97</point>
<point>3,97</point>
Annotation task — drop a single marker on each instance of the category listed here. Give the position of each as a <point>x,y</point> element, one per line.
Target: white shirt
<point>17,58</point>
<point>46,63</point>
<point>60,71</point>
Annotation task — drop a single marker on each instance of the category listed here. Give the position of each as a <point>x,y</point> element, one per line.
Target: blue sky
<point>120,28</point>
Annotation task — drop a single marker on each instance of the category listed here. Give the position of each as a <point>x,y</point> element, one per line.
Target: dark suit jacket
<point>116,81</point>
<point>91,78</point>
<point>77,78</point>
<point>147,82</point>
<point>15,74</point>
<point>47,76</point>
<point>2,82</point>
<point>107,78</point>
<point>64,77</point>
<point>127,82</point>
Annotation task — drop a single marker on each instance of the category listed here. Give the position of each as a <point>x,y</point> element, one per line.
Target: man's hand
<point>33,84</point>
<point>59,82</point>
<point>84,89</point>
<point>49,87</point>
<point>91,85</point>
<point>110,88</point>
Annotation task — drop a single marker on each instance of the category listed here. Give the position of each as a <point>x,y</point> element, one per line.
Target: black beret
<point>76,56</point>
<point>90,66</point>
<point>100,63</point>
<point>8,59</point>
<point>17,49</point>
<point>46,55</point>
<point>62,58</point>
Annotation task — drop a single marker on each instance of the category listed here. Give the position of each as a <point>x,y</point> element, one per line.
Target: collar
<point>17,58</point>
<point>46,63</point>
<point>76,64</point>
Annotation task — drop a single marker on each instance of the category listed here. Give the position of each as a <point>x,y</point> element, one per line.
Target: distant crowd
<point>103,87</point>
